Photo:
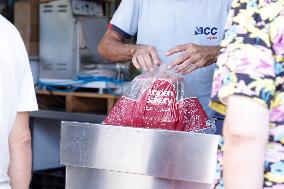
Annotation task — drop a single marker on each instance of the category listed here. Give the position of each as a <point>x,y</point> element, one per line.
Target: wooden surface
<point>78,94</point>
<point>76,101</point>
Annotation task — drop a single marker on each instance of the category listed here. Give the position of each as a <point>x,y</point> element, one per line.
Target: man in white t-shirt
<point>17,97</point>
<point>182,33</point>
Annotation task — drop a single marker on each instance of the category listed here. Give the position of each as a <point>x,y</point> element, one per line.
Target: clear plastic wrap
<point>156,99</point>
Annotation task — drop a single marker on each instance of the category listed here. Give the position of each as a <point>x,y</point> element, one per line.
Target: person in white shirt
<point>17,98</point>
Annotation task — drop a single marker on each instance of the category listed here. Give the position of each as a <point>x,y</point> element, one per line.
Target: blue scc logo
<point>209,32</point>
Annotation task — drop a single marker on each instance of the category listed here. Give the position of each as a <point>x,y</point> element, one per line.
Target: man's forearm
<point>115,52</point>
<point>20,153</point>
<point>113,49</point>
<point>20,166</point>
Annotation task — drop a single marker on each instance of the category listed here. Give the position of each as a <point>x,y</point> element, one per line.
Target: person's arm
<point>20,152</point>
<point>246,130</point>
<point>193,57</point>
<point>113,48</point>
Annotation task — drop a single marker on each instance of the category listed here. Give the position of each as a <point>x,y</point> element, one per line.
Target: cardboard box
<point>27,22</point>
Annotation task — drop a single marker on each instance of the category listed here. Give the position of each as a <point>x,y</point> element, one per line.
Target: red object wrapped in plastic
<point>156,99</point>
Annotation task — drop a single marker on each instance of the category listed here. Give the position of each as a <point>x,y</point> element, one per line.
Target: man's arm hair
<point>20,152</point>
<point>113,48</point>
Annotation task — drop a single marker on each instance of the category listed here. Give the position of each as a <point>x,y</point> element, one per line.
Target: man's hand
<point>112,47</point>
<point>145,57</point>
<point>193,57</point>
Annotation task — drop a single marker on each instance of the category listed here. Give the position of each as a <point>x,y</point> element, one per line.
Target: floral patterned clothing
<point>252,64</point>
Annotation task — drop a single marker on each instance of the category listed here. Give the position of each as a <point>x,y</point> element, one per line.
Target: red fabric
<point>158,108</point>
<point>110,26</point>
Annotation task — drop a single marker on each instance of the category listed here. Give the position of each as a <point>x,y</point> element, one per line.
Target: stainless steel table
<point>109,157</point>
<point>45,127</point>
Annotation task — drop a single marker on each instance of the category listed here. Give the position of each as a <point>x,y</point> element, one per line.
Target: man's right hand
<point>145,57</point>
<point>113,48</point>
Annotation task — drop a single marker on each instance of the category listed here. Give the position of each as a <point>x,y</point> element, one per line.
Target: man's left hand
<point>193,57</point>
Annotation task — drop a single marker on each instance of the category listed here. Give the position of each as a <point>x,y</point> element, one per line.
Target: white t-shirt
<point>168,23</point>
<point>16,89</point>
